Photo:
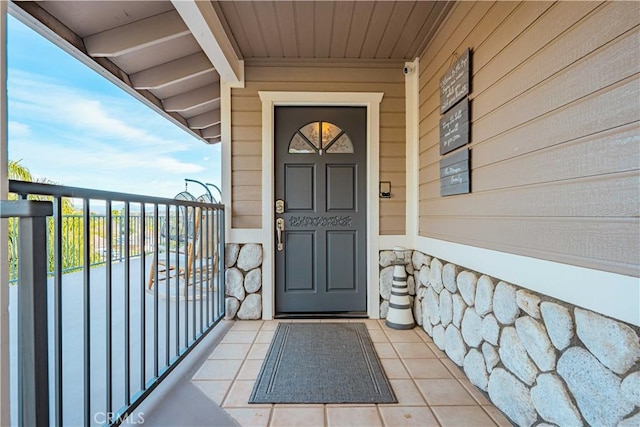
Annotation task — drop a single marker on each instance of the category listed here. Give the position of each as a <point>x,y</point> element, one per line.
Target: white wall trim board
<point>412,155</point>
<point>388,241</point>
<point>610,294</point>
<point>225,136</point>
<point>245,235</point>
<point>365,99</point>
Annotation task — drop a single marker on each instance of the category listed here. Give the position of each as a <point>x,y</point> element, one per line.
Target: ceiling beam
<point>212,132</point>
<point>205,120</point>
<point>136,35</point>
<point>207,28</point>
<point>172,72</point>
<point>47,25</point>
<point>192,99</point>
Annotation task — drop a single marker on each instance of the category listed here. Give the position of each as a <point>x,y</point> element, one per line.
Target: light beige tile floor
<point>431,390</point>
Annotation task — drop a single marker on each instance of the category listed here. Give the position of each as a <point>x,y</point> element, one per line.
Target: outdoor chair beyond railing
<point>110,342</point>
<point>196,246</point>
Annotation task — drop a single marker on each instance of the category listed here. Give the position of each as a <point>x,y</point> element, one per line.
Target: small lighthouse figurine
<point>400,315</point>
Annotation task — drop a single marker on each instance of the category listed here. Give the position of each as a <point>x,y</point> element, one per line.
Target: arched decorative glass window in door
<point>320,137</point>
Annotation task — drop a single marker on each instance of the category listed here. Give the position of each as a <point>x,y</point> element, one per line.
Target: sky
<point>74,127</point>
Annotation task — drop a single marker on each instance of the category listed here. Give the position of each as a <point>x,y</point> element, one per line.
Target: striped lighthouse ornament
<point>400,315</point>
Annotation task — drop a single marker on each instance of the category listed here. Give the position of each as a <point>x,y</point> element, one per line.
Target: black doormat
<point>322,363</point>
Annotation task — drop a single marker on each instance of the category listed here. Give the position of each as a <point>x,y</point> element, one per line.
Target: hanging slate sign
<point>454,127</point>
<point>454,85</point>
<point>454,173</point>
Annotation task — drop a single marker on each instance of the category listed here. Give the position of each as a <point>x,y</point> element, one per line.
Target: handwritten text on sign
<point>454,85</point>
<point>454,173</point>
<point>454,127</point>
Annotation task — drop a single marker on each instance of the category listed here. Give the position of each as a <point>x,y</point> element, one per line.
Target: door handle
<point>279,230</point>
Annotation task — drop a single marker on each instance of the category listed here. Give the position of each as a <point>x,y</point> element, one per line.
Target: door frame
<point>370,100</point>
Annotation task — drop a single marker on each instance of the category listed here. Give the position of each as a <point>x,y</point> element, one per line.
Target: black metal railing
<point>73,243</point>
<point>124,321</point>
<point>33,368</point>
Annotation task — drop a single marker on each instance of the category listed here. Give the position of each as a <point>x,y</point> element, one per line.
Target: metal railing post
<point>33,348</point>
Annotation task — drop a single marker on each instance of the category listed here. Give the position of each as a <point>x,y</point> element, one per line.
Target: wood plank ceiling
<point>369,30</point>
<point>145,46</point>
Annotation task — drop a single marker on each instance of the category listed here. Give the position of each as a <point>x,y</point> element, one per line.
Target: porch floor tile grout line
<point>246,357</point>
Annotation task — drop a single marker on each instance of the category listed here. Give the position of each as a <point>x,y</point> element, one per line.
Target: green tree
<point>73,243</point>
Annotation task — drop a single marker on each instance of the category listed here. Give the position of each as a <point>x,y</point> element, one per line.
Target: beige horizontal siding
<point>246,131</point>
<point>555,141</point>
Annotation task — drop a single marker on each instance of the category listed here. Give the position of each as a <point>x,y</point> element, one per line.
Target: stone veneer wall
<point>540,360</point>
<point>243,281</point>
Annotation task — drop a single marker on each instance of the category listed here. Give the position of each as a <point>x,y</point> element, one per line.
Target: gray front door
<point>320,179</point>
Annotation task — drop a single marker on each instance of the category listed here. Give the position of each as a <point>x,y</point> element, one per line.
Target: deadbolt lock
<point>279,206</point>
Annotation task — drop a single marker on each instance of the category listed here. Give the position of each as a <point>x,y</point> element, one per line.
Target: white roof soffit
<point>207,28</point>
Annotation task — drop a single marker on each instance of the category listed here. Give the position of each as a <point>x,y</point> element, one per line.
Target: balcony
<point>136,283</point>
<point>129,295</point>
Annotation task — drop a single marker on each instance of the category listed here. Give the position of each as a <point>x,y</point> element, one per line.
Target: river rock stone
<point>528,302</point>
<point>631,421</point>
<point>490,329</point>
<point>409,268</point>
<point>430,306</point>
<point>514,356</point>
<point>449,273</point>
<point>417,311</point>
<point>426,325</point>
<point>511,397</point>
<point>438,336</point>
<point>491,357</point>
<point>251,308</point>
<point>458,309</point>
<point>630,388</point>
<point>553,402</point>
<point>418,259</point>
<point>476,369</point>
<point>231,307</point>
<point>534,338</point>
<point>454,345</point>
<point>472,327</point>
<point>505,307</point>
<point>231,251</point>
<point>250,256</point>
<point>595,388</point>
<point>234,284</point>
<point>435,275</point>
<point>484,295</point>
<point>424,276</point>
<point>386,258</point>
<point>253,280</point>
<point>386,281</point>
<point>411,285</point>
<point>559,324</point>
<point>384,309</point>
<point>615,344</point>
<point>421,291</point>
<point>446,308</point>
<point>467,284</point>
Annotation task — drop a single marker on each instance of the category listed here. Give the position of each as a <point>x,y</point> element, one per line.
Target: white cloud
<point>85,139</point>
<point>90,114</point>
<point>19,130</point>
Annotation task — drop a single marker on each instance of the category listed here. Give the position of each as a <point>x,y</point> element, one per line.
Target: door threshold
<point>344,315</point>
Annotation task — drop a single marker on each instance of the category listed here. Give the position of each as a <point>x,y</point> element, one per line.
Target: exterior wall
<point>555,147</point>
<point>539,360</point>
<point>247,127</point>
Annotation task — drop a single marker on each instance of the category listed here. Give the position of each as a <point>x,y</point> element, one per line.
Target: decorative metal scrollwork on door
<point>320,221</point>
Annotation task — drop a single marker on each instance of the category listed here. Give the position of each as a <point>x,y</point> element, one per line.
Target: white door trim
<point>363,99</point>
